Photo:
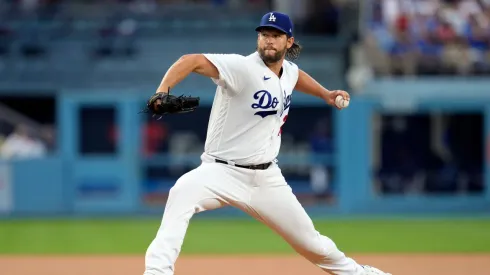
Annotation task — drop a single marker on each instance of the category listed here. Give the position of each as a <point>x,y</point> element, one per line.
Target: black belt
<point>262,166</point>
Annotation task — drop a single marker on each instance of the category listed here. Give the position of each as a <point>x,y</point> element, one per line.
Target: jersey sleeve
<point>232,71</point>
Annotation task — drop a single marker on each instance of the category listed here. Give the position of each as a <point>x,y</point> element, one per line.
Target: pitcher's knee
<point>318,248</point>
<point>182,198</point>
<point>178,189</point>
<point>185,187</point>
<point>189,192</point>
<point>183,184</point>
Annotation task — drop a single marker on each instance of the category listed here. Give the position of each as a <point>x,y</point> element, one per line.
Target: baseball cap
<point>277,20</point>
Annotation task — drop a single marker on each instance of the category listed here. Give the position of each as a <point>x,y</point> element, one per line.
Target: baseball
<point>340,102</point>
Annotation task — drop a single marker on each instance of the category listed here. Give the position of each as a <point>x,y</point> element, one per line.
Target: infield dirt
<point>399,264</point>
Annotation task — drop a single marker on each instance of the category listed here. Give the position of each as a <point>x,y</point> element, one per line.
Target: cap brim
<point>271,26</point>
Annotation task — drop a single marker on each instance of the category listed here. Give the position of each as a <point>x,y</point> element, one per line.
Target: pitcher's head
<point>275,38</point>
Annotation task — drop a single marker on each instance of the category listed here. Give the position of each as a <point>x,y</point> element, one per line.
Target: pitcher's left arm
<point>308,85</point>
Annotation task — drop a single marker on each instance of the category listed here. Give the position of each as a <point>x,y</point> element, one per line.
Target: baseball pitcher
<point>239,166</point>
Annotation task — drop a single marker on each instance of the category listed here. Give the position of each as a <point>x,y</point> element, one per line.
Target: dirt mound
<point>406,264</point>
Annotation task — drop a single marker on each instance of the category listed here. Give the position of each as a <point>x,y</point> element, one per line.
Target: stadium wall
<point>70,184</point>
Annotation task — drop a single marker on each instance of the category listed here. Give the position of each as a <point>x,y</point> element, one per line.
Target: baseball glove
<point>161,104</point>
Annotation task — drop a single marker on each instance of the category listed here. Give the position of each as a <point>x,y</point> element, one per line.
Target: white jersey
<point>250,106</point>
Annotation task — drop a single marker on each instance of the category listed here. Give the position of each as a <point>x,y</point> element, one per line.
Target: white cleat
<point>369,270</point>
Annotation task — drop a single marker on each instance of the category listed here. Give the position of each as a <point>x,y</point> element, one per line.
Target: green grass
<point>241,236</point>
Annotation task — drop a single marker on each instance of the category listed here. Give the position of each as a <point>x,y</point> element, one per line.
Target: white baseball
<point>340,102</point>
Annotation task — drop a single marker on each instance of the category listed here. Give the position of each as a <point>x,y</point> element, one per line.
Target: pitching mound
<point>241,265</point>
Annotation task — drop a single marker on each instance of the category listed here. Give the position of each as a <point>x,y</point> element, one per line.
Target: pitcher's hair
<point>293,52</point>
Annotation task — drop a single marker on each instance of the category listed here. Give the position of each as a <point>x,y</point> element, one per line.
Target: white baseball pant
<point>263,194</point>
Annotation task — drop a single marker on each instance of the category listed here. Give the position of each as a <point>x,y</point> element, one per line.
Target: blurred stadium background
<point>406,168</point>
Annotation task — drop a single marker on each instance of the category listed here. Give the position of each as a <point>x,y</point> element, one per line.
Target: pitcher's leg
<point>274,204</point>
<point>207,187</point>
<point>188,196</point>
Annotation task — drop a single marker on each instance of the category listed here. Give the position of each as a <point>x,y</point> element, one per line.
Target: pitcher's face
<point>272,45</point>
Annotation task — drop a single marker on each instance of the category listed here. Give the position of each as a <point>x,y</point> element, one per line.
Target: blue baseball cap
<point>277,20</point>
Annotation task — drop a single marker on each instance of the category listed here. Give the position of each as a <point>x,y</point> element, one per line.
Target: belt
<point>262,166</point>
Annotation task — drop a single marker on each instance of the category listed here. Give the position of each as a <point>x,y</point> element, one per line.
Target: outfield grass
<point>241,236</point>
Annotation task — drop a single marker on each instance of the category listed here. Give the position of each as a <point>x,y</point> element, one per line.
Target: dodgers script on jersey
<point>250,106</point>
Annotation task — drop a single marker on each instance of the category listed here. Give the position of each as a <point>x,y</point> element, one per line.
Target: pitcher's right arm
<point>183,67</point>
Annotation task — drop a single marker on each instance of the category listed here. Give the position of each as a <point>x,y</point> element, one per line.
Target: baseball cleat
<point>369,270</point>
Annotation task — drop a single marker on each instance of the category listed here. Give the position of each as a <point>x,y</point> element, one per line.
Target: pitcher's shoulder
<point>291,65</point>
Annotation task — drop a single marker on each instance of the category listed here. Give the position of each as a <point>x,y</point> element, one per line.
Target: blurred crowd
<point>69,9</point>
<point>298,9</point>
<point>25,142</point>
<point>116,25</point>
<point>429,37</point>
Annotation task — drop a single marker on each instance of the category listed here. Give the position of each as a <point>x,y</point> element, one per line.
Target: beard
<point>268,58</point>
